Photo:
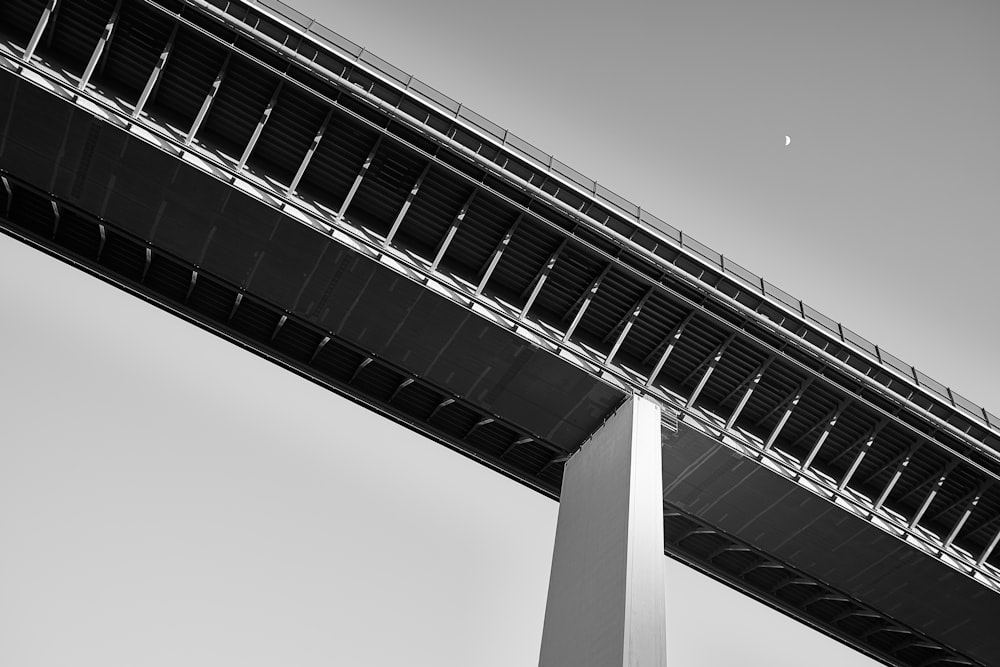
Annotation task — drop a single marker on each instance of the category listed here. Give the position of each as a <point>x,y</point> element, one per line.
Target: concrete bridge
<point>262,177</point>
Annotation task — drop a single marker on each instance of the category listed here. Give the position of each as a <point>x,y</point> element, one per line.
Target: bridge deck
<point>287,196</point>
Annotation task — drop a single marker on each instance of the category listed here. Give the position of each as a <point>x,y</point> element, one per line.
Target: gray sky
<point>260,520</point>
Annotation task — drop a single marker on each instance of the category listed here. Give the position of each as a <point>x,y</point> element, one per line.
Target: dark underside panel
<point>848,560</point>
<point>203,221</point>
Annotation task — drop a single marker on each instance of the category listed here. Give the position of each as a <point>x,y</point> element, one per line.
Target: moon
<point>788,140</point>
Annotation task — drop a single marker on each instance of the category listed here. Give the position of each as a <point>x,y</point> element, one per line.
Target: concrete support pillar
<point>606,592</point>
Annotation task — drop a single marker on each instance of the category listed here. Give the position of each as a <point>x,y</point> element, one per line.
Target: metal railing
<point>546,163</point>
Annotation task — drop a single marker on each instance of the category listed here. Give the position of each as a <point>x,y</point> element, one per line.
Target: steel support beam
<point>962,500</point>
<point>697,370</point>
<point>795,581</point>
<point>945,660</point>
<point>863,613</point>
<point>858,443</point>
<point>728,549</point>
<point>551,462</point>
<point>628,325</point>
<point>988,523</point>
<point>482,422</point>
<point>606,599</point>
<point>191,284</point>
<point>930,496</point>
<point>402,385</point>
<point>103,233</point>
<point>56,215</point>
<point>820,597</point>
<point>9,192</point>
<point>497,254</point>
<point>778,408</point>
<point>763,564</point>
<point>711,368</point>
<point>988,551</point>
<point>578,301</point>
<point>439,407</point>
<point>406,206</point>
<point>43,21</point>
<point>893,462</point>
<point>98,52</point>
<point>517,443</point>
<point>541,278</point>
<point>206,104</point>
<point>927,481</point>
<point>969,509</point>
<point>50,34</point>
<point>674,336</point>
<point>361,367</point>
<point>153,82</point>
<point>360,177</point>
<point>309,154</point>
<point>588,297</point>
<point>861,455</point>
<point>697,531</point>
<point>903,465</point>
<point>817,427</point>
<point>260,126</point>
<point>830,424</point>
<point>896,629</point>
<point>236,305</point>
<point>278,326</point>
<point>788,413</point>
<point>452,228</point>
<point>758,374</point>
<point>319,348</point>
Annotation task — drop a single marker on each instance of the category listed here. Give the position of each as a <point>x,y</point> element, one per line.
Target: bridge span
<point>266,179</point>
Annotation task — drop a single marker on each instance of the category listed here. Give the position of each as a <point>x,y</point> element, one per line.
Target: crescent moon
<point>788,140</point>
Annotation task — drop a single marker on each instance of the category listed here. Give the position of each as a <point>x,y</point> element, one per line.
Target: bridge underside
<point>146,214</point>
<point>408,352</point>
<point>762,531</point>
<point>239,266</point>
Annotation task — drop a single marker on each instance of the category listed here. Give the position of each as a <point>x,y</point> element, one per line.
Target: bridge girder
<point>644,311</point>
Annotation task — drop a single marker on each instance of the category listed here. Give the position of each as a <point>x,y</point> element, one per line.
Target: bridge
<point>266,179</point>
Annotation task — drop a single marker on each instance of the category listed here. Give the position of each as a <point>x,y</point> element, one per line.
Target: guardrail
<point>642,218</point>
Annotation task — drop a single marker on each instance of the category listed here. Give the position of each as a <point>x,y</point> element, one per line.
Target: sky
<point>259,519</point>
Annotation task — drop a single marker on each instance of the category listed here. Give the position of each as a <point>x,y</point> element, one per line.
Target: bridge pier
<point>606,595</point>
